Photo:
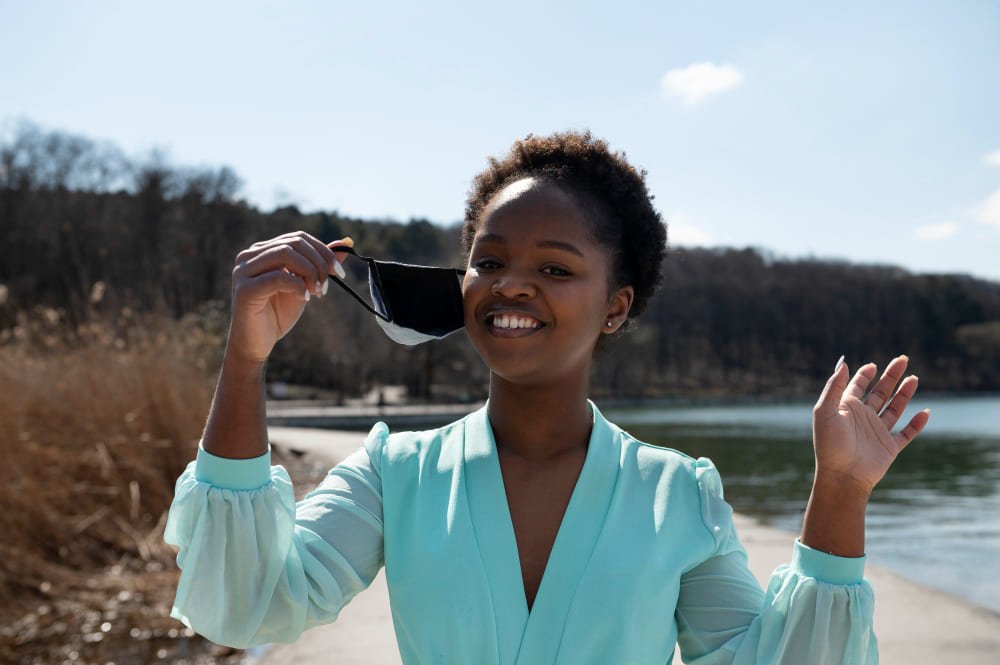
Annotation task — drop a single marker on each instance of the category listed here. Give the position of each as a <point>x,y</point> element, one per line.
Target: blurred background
<point>830,179</point>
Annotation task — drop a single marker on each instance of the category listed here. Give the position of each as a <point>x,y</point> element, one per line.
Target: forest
<point>91,234</point>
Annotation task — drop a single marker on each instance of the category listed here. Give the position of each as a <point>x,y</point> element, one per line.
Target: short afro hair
<point>611,191</point>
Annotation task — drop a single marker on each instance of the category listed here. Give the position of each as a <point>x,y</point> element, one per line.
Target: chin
<point>526,364</point>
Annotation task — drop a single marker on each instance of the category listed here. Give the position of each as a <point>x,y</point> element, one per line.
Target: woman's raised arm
<point>854,446</point>
<point>272,282</point>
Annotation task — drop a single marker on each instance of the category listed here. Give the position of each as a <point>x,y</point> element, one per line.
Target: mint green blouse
<point>646,558</point>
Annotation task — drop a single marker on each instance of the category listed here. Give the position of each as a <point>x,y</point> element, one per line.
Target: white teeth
<point>514,321</point>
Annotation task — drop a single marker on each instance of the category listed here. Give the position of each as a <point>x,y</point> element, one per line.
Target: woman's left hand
<point>852,432</point>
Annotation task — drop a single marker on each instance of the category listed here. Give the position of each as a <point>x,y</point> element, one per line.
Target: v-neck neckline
<point>521,632</point>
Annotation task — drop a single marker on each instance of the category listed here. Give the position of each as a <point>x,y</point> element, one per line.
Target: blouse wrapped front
<point>646,558</point>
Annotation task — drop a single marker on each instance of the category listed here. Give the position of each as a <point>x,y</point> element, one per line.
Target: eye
<point>486,263</point>
<point>556,271</point>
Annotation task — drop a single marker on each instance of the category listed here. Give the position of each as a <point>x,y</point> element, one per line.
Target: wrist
<point>841,488</point>
<point>835,515</point>
<point>241,367</point>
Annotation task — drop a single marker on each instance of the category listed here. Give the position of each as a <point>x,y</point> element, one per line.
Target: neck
<point>539,423</point>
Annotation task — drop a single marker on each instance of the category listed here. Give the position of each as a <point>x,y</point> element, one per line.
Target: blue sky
<point>861,131</point>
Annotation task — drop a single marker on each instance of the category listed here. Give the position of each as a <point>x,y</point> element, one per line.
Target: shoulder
<point>653,456</point>
<point>686,489</point>
<point>668,465</point>
<point>387,447</point>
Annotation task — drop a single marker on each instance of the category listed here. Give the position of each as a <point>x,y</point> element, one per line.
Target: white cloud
<point>936,231</point>
<point>700,80</point>
<point>988,212</point>
<point>992,159</point>
<point>681,231</point>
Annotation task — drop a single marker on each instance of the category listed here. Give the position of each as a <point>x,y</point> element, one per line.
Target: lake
<point>934,518</point>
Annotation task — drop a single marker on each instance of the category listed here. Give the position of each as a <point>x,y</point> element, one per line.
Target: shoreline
<point>914,624</point>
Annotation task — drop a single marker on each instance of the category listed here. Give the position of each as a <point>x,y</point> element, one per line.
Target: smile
<point>512,325</point>
<point>512,321</point>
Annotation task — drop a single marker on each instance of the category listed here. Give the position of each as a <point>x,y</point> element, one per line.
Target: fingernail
<point>348,240</point>
<point>905,357</point>
<point>927,411</point>
<point>339,269</point>
<point>318,288</point>
<point>839,363</point>
<point>326,285</point>
<point>307,295</point>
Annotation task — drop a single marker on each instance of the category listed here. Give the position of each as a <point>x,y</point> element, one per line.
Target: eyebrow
<point>551,244</point>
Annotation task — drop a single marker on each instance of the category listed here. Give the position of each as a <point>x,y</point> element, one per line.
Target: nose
<point>512,287</point>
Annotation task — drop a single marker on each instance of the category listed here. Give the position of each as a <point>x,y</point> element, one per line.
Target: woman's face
<point>536,287</point>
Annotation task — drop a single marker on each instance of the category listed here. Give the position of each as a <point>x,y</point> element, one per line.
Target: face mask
<point>412,304</point>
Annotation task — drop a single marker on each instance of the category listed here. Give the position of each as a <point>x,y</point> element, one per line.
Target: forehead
<point>530,207</point>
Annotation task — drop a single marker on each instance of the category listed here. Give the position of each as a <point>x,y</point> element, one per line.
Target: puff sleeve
<point>255,566</point>
<point>817,609</point>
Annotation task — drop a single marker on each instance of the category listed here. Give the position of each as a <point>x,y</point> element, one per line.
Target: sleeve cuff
<point>827,567</point>
<point>233,474</point>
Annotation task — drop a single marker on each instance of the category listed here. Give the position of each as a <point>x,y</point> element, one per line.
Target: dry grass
<point>95,426</point>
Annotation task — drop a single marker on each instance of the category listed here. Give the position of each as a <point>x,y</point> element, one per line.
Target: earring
<point>610,324</point>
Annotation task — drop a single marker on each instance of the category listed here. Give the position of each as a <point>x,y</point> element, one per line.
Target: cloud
<point>992,159</point>
<point>936,231</point>
<point>988,212</point>
<point>700,80</point>
<point>681,231</point>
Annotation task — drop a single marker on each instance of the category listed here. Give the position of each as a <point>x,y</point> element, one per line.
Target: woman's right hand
<point>272,282</point>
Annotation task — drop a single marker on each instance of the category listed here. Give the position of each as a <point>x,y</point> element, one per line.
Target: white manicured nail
<point>839,363</point>
<point>326,285</point>
<point>339,269</point>
<point>318,288</point>
<point>307,295</point>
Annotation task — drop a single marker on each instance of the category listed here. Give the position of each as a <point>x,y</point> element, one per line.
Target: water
<point>934,518</point>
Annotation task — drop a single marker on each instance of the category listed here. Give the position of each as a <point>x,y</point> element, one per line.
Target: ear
<point>618,309</point>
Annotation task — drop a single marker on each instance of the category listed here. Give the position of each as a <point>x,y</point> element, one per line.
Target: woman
<point>533,530</point>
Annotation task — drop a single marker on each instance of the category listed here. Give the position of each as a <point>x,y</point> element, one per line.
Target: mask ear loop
<point>371,275</point>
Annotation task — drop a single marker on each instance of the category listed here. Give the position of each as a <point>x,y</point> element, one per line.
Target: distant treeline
<point>88,232</point>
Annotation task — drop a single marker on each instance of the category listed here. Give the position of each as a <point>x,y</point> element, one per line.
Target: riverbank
<point>914,624</point>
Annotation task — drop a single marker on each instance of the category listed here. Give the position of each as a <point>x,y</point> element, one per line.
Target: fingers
<point>894,410</point>
<point>285,258</point>
<point>887,399</point>
<point>908,433</point>
<point>278,281</point>
<point>883,390</point>
<point>862,378</point>
<point>829,399</point>
<point>337,266</point>
<point>297,253</point>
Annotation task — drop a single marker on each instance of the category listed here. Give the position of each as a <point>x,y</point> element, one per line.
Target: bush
<point>98,422</point>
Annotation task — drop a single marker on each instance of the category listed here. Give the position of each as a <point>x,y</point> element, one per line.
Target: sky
<point>862,131</point>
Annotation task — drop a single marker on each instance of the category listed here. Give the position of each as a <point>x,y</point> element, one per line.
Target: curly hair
<point>611,192</point>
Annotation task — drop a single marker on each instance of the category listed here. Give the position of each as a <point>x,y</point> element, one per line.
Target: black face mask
<point>412,304</point>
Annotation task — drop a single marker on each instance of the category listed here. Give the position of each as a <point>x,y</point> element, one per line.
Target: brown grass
<point>95,426</point>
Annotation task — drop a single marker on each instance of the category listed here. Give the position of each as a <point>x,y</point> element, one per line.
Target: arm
<point>255,566</point>
<point>854,445</point>
<point>818,609</point>
<point>272,282</point>
<point>251,569</point>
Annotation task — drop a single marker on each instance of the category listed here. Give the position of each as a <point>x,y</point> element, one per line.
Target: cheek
<point>469,284</point>
<point>472,288</point>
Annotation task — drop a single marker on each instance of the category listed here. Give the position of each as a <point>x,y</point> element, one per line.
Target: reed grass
<point>96,423</point>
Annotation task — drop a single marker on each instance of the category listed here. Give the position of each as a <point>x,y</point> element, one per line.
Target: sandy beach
<point>915,625</point>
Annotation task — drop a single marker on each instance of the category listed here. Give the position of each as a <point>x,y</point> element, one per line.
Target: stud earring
<point>609,324</point>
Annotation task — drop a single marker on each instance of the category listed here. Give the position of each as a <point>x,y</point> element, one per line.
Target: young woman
<point>532,531</point>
